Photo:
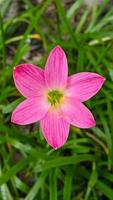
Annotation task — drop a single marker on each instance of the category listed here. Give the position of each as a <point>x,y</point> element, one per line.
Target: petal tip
<point>13,120</point>
<point>57,48</point>
<point>18,67</point>
<point>92,123</point>
<point>104,79</point>
<point>56,147</point>
<point>16,121</point>
<point>21,67</point>
<point>17,70</point>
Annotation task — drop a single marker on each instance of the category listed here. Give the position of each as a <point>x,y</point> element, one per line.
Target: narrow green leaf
<point>32,194</point>
<point>67,191</point>
<point>53,184</point>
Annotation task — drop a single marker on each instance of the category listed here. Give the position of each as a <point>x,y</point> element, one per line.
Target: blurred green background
<point>83,168</point>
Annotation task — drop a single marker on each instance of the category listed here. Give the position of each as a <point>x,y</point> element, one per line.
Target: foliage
<point>83,168</point>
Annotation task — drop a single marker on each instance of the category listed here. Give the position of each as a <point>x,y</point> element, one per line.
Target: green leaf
<point>10,107</point>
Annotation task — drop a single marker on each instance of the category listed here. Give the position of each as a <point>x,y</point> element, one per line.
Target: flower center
<point>55,97</point>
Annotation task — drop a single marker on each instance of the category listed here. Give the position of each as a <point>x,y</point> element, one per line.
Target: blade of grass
<point>29,29</point>
<point>35,189</point>
<point>63,16</point>
<point>67,191</point>
<point>2,41</point>
<point>53,184</point>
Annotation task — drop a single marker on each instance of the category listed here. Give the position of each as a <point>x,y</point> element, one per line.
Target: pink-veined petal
<point>29,80</point>
<point>56,68</point>
<point>30,110</point>
<point>77,114</point>
<point>84,85</point>
<point>55,129</point>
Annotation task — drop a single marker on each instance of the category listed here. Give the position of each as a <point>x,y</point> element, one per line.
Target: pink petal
<point>56,69</point>
<point>29,80</point>
<point>29,111</point>
<point>75,113</point>
<point>55,129</point>
<point>84,85</point>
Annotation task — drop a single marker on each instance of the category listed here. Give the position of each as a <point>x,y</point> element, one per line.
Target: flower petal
<point>84,85</point>
<point>55,129</point>
<point>56,69</point>
<point>29,80</point>
<point>29,111</point>
<point>75,113</point>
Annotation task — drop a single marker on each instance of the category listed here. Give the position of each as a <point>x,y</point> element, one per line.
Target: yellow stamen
<point>55,97</point>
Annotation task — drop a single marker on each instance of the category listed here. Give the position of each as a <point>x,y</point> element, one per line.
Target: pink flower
<point>53,98</point>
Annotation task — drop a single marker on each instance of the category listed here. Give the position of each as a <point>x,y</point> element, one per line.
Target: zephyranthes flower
<point>53,98</point>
